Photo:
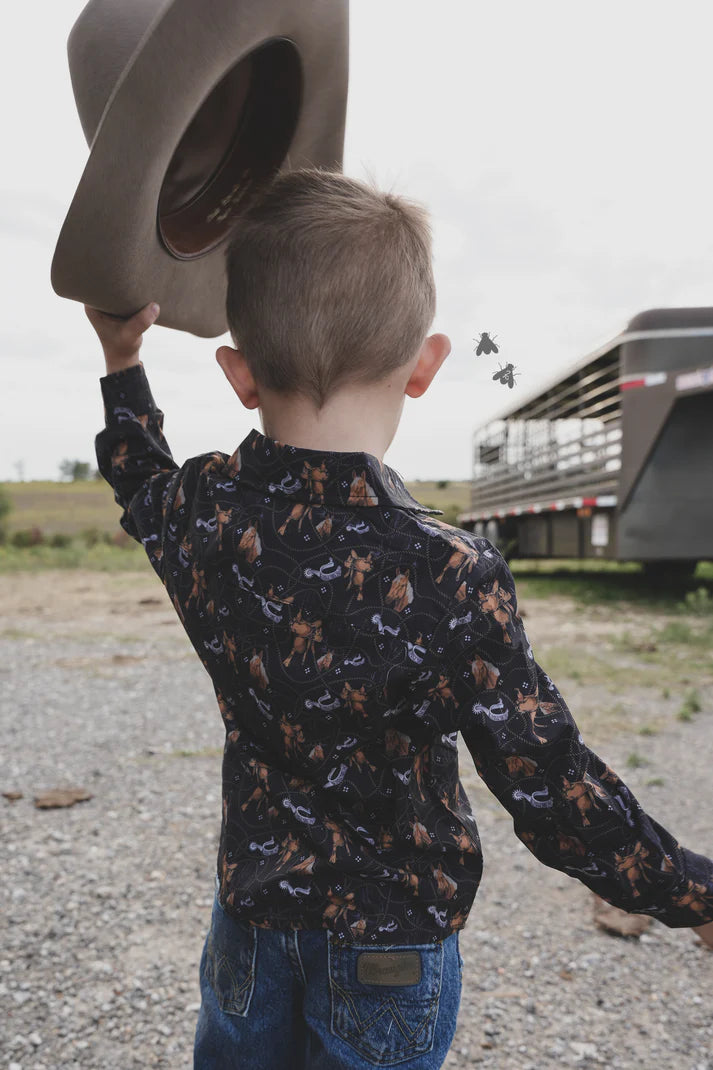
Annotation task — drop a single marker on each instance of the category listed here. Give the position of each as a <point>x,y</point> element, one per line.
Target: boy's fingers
<point>95,317</point>
<point>120,337</point>
<point>143,318</point>
<point>136,324</point>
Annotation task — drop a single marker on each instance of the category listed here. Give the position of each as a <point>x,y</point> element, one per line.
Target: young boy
<point>350,635</point>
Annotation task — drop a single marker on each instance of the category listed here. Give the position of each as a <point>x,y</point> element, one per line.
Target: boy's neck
<point>364,421</point>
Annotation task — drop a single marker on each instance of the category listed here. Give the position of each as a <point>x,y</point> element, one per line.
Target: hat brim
<point>109,253</point>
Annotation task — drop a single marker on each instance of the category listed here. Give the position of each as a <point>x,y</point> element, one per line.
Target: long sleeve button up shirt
<point>350,635</point>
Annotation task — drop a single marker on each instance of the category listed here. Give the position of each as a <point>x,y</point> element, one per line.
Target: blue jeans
<point>293,1000</point>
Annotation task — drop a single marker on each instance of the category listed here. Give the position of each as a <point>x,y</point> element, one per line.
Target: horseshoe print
<point>351,636</point>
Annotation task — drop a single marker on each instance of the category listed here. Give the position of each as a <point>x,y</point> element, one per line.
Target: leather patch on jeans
<point>389,968</point>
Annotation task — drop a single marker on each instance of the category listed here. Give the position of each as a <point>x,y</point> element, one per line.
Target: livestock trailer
<point>613,459</point>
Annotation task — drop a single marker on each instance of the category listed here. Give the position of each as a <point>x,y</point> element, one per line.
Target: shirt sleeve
<point>134,458</point>
<point>569,808</point>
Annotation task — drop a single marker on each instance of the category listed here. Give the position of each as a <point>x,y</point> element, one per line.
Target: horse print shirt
<point>350,635</point>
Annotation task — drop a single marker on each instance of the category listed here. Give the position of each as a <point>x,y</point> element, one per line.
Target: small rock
<point>59,798</point>
<point>101,967</point>
<point>618,922</point>
<point>584,1051</point>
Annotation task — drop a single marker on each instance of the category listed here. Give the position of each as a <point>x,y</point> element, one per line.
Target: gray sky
<point>563,150</point>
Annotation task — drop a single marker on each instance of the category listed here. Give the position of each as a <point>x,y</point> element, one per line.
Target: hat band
<point>236,141</point>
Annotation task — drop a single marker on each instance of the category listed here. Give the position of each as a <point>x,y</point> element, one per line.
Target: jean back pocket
<point>230,954</point>
<point>384,1001</point>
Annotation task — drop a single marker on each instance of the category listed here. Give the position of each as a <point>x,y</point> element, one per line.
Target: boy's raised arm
<point>569,808</point>
<point>132,452</point>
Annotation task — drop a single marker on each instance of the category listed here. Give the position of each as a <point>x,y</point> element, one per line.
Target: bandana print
<point>350,635</point>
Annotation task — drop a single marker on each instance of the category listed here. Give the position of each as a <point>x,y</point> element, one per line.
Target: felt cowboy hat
<point>189,107</point>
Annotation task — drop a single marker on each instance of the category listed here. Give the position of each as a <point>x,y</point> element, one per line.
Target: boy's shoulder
<point>214,465</point>
<point>458,540</point>
<point>457,565</point>
<point>459,561</point>
<point>223,470</point>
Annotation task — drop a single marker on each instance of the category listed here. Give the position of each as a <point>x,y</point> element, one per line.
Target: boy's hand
<point>121,339</point>
<point>705,933</point>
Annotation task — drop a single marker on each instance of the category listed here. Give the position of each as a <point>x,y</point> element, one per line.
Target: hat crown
<point>190,107</point>
<point>100,46</point>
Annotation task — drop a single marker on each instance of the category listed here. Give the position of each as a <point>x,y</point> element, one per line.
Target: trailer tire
<point>668,573</point>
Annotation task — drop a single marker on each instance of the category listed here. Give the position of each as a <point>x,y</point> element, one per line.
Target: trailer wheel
<point>668,573</point>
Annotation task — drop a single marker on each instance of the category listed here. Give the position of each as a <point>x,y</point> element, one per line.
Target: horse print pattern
<point>350,635</point>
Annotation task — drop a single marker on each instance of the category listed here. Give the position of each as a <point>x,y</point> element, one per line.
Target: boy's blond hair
<point>329,282</point>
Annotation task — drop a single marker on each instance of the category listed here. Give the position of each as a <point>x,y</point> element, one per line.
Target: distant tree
<point>5,509</point>
<point>443,484</point>
<point>75,470</point>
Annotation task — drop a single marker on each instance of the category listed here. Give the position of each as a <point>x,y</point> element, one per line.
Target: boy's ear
<point>236,370</point>
<point>433,352</point>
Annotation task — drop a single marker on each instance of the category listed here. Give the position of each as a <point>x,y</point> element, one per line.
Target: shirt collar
<point>321,477</point>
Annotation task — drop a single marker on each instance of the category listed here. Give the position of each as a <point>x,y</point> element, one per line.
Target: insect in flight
<point>506,375</point>
<point>486,344</point>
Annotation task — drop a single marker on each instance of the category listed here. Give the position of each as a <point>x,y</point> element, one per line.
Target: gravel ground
<point>107,903</point>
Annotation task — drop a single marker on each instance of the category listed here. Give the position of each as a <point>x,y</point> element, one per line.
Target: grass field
<point>62,508</point>
<point>455,498</point>
<point>76,508</point>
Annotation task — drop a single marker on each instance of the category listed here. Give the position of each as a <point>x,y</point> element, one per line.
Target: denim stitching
<point>388,1004</point>
<point>237,989</point>
<point>252,968</point>
<point>361,1043</point>
<point>299,956</point>
<point>358,1040</point>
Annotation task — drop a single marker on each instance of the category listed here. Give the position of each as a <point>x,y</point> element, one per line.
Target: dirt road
<point>107,903</point>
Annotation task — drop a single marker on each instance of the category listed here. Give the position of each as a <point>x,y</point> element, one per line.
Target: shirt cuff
<point>128,389</point>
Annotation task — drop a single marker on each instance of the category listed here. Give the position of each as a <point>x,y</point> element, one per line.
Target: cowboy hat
<point>189,107</point>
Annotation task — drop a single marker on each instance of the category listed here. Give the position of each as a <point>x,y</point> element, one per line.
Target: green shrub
<point>698,602</point>
<point>59,540</point>
<point>91,536</point>
<point>27,537</point>
<point>691,704</point>
<point>676,631</point>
